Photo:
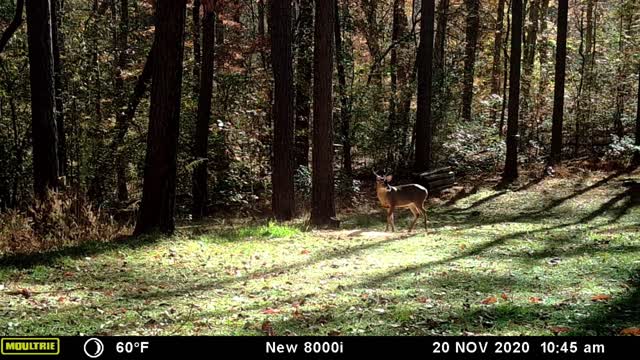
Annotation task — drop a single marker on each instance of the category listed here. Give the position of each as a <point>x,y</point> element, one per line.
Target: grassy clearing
<point>558,256</point>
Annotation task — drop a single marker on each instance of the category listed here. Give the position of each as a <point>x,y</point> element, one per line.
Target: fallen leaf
<point>504,296</point>
<point>305,252</point>
<point>61,299</point>
<point>423,299</point>
<point>559,329</point>
<point>535,300</point>
<point>68,274</point>
<point>270,311</point>
<point>601,298</point>
<point>631,331</point>
<point>489,300</point>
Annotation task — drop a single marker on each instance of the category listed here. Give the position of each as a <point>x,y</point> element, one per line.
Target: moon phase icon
<point>93,348</point>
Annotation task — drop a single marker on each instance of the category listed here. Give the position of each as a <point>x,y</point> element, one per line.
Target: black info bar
<point>232,347</point>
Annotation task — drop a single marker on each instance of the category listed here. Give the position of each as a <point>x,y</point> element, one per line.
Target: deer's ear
<point>388,178</point>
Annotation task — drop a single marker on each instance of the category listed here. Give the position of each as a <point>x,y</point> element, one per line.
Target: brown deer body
<point>411,196</point>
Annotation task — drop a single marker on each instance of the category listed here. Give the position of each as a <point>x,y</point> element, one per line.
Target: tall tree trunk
<point>283,200</point>
<point>496,68</point>
<point>505,72</point>
<point>345,114</point>
<point>621,86</point>
<point>400,67</point>
<point>472,32</point>
<point>159,190</point>
<point>424,61</point>
<point>304,57</point>
<point>636,157</point>
<point>323,210</point>
<point>373,33</point>
<point>441,92</point>
<point>543,54</point>
<point>511,164</point>
<point>58,50</point>
<point>531,35</point>
<point>98,159</point>
<point>121,104</point>
<point>201,137</point>
<point>197,46</point>
<point>41,75</point>
<point>558,93</point>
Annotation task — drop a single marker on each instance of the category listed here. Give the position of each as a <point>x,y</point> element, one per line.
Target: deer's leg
<point>424,211</point>
<point>416,214</point>
<point>390,219</point>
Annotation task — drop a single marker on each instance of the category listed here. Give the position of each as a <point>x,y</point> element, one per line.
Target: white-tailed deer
<point>410,196</point>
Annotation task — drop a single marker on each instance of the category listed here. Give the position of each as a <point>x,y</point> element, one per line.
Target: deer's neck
<point>383,194</point>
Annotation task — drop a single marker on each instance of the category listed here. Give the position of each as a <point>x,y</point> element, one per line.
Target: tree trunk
<point>41,75</point>
<point>345,114</point>
<point>531,35</point>
<point>543,54</point>
<point>511,165</point>
<point>441,92</point>
<point>283,200</point>
<point>13,26</point>
<point>496,68</point>
<point>373,33</point>
<point>98,159</point>
<point>304,58</point>
<point>505,72</point>
<point>472,31</point>
<point>197,46</point>
<point>621,86</point>
<point>201,137</point>
<point>323,210</point>
<point>58,49</point>
<point>121,104</point>
<point>159,190</point>
<point>558,93</point>
<point>636,157</point>
<point>424,61</point>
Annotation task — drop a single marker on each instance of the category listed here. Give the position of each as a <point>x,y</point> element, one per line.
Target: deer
<point>412,196</point>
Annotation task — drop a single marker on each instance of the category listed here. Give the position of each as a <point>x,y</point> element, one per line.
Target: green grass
<point>536,256</point>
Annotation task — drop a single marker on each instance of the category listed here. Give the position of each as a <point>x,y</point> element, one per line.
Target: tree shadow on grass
<point>23,261</point>
<point>610,318</point>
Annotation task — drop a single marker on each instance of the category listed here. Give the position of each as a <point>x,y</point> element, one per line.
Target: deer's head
<point>382,181</point>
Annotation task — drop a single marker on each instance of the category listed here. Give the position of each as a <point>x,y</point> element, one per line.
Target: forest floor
<point>552,256</point>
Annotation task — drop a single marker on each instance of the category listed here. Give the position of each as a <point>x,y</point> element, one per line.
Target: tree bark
<point>531,35</point>
<point>41,75</point>
<point>472,30</point>
<point>323,209</point>
<point>13,26</point>
<point>636,157</point>
<point>159,190</point>
<point>201,137</point>
<point>58,49</point>
<point>558,93</point>
<point>424,62</point>
<point>511,165</point>
<point>304,58</point>
<point>345,114</point>
<point>283,201</point>
<point>197,46</point>
<point>98,159</point>
<point>496,68</point>
<point>121,104</point>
